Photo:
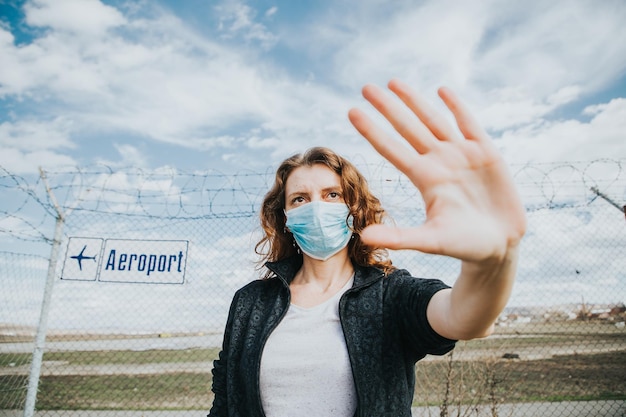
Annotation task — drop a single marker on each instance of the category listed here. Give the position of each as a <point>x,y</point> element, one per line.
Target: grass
<point>145,392</point>
<point>561,378</point>
<point>483,378</point>
<point>132,356</point>
<point>118,392</point>
<point>114,357</point>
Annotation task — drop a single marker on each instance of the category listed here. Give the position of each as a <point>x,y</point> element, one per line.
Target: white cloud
<point>256,142</point>
<point>546,54</point>
<point>565,95</point>
<point>34,134</point>
<point>508,107</point>
<point>23,162</point>
<point>271,11</point>
<point>148,74</point>
<point>27,145</point>
<point>131,156</point>
<point>546,45</point>
<point>165,82</point>
<point>82,17</point>
<point>424,45</point>
<point>238,20</point>
<point>571,140</point>
<point>566,253</point>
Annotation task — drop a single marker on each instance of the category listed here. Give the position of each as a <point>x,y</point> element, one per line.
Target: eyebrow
<point>332,188</point>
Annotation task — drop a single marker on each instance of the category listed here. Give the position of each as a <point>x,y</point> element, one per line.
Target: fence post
<point>608,200</point>
<point>40,339</point>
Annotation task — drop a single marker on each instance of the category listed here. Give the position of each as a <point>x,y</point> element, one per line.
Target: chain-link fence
<point>129,319</point>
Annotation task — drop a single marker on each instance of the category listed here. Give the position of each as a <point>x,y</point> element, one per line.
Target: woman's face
<point>312,183</point>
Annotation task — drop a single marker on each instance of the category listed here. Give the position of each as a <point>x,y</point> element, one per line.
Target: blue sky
<point>240,85</point>
<point>232,84</point>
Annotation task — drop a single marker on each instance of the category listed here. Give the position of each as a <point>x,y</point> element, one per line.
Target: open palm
<point>473,210</point>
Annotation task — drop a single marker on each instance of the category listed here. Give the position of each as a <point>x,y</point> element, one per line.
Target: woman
<point>333,329</point>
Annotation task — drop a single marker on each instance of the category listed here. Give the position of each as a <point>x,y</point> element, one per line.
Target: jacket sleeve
<point>410,298</point>
<point>219,384</point>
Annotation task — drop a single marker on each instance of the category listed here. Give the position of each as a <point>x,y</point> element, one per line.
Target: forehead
<point>310,178</point>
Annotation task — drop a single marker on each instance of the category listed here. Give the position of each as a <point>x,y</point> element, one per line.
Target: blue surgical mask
<point>321,229</point>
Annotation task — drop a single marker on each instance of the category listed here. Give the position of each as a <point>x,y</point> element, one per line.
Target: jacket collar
<point>286,270</point>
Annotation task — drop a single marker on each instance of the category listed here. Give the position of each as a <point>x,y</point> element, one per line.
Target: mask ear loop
<point>293,240</point>
<point>350,224</point>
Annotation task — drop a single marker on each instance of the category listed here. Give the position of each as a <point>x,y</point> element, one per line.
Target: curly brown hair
<point>277,242</point>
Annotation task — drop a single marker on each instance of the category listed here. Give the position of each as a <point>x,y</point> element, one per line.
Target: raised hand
<point>473,211</point>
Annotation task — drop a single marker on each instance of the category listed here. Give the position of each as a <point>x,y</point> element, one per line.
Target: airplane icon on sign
<point>81,256</point>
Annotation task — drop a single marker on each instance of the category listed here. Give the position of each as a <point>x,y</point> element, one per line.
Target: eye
<point>334,195</point>
<point>297,200</point>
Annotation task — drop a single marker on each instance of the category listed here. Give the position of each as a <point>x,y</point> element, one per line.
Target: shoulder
<point>397,288</point>
<point>256,295</point>
<point>403,289</point>
<point>396,279</point>
<point>403,278</point>
<point>258,287</point>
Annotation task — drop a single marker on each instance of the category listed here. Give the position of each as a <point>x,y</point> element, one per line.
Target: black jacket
<point>384,323</point>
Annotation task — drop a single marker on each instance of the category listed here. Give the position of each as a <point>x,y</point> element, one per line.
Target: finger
<point>408,126</point>
<point>392,150</point>
<point>431,118</point>
<point>468,125</point>
<point>423,238</point>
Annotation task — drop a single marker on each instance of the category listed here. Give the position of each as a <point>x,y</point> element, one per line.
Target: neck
<point>332,273</point>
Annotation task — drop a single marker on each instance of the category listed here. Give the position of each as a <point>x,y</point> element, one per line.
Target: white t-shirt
<point>305,367</point>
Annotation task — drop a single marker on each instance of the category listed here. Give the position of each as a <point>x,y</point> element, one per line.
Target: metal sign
<point>125,260</point>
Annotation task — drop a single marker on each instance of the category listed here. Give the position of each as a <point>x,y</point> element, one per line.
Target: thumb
<point>421,238</point>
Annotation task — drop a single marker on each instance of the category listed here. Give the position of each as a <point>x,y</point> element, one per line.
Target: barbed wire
<point>172,194</point>
<point>570,183</point>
